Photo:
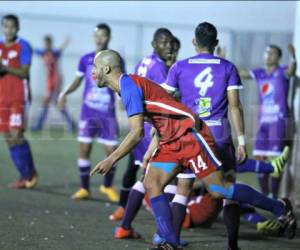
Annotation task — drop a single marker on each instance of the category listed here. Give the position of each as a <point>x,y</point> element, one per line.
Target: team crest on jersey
<point>12,54</point>
<point>267,90</point>
<point>204,107</point>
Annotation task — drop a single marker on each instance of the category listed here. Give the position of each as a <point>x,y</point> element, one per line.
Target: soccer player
<point>153,67</point>
<point>182,141</point>
<point>15,61</point>
<point>209,86</point>
<point>51,59</point>
<point>97,118</point>
<point>273,114</point>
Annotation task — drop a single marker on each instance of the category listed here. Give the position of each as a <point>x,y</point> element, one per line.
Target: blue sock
<point>41,119</point>
<point>163,216</point>
<point>245,194</point>
<point>255,166</point>
<point>22,158</point>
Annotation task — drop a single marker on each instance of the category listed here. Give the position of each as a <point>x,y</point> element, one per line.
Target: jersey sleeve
<point>254,73</point>
<point>81,67</point>
<point>171,83</point>
<point>57,53</point>
<point>132,97</point>
<point>284,71</point>
<point>234,80</point>
<point>39,52</point>
<point>25,53</point>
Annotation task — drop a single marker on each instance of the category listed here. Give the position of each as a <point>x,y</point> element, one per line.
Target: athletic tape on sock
<point>139,186</point>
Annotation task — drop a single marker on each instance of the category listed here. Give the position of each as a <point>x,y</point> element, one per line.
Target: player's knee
<point>220,192</point>
<point>151,185</point>
<point>184,186</point>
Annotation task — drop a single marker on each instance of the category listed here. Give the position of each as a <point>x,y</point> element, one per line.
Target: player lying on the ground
<point>15,61</point>
<point>51,59</point>
<point>203,210</point>
<point>97,118</point>
<point>183,141</point>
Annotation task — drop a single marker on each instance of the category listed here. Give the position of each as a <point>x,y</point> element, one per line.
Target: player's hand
<point>102,167</point>
<point>61,102</point>
<point>241,154</point>
<point>291,50</point>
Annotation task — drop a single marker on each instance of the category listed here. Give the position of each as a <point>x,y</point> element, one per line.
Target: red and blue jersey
<point>170,118</point>
<point>51,60</point>
<point>12,88</point>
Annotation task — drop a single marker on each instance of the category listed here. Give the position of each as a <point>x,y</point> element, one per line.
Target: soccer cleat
<point>118,214</point>
<point>157,240</point>
<point>122,233</point>
<point>110,192</point>
<point>166,246</point>
<point>271,227</point>
<point>32,182</point>
<point>288,220</point>
<point>18,184</point>
<point>279,162</point>
<point>81,194</point>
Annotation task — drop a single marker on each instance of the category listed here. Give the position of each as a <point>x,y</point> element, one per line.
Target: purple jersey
<point>203,81</point>
<point>99,99</point>
<point>153,68</point>
<point>273,94</point>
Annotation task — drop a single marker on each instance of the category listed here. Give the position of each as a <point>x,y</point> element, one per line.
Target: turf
<point>46,218</point>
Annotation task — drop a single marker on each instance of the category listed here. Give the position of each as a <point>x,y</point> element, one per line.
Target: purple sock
<point>245,194</point>
<point>133,205</point>
<point>254,166</point>
<point>170,191</point>
<point>109,177</point>
<point>251,215</point>
<point>263,180</point>
<point>41,119</point>
<point>163,217</point>
<point>254,218</point>
<point>84,166</point>
<point>275,185</point>
<point>71,124</point>
<point>178,208</point>
<point>22,158</point>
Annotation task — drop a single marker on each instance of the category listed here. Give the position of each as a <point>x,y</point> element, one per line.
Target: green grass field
<point>46,218</point>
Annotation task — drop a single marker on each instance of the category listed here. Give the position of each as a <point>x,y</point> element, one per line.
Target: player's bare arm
<point>69,89</point>
<point>244,74</point>
<point>65,44</point>
<point>136,124</point>
<point>291,70</point>
<point>22,72</point>
<point>236,112</point>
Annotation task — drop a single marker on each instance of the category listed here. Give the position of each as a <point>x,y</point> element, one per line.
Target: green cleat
<point>279,162</point>
<point>271,227</point>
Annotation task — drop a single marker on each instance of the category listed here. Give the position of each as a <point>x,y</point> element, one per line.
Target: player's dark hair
<point>177,41</point>
<point>104,26</point>
<point>48,38</point>
<point>206,35</point>
<point>277,48</point>
<point>161,31</point>
<point>13,18</point>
